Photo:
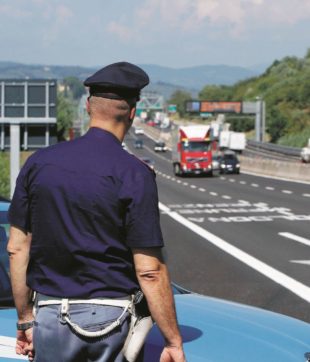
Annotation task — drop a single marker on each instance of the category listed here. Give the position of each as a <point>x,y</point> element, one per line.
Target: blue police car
<point>212,329</point>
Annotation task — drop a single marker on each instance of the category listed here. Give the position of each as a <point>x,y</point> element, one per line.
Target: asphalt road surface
<point>243,237</point>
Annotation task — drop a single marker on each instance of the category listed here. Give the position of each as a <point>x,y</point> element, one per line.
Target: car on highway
<point>139,131</point>
<point>212,329</point>
<point>160,146</point>
<point>229,163</point>
<point>138,144</point>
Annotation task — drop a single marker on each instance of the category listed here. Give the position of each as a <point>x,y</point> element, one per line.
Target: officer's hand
<point>172,354</point>
<point>24,343</point>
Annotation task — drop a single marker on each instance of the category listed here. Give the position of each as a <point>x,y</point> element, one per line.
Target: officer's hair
<point>110,108</point>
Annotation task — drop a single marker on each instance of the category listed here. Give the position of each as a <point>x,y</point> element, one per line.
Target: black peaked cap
<point>120,80</point>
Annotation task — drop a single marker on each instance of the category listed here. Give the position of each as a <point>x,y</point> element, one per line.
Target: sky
<point>172,33</point>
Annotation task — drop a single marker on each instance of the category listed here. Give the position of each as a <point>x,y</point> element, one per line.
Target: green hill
<point>285,87</point>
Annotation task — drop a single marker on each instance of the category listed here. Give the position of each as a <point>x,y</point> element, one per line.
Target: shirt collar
<point>103,134</point>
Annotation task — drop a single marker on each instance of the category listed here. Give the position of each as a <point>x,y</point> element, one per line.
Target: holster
<point>140,325</point>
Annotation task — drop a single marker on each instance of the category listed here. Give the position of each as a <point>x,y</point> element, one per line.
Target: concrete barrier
<point>267,167</point>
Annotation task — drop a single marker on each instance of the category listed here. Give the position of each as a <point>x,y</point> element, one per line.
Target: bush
<point>5,175</point>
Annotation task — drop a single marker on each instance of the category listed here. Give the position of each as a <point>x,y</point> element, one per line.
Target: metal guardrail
<point>285,150</point>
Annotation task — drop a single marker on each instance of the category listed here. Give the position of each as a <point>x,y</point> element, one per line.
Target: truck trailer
<point>192,150</point>
<point>235,141</point>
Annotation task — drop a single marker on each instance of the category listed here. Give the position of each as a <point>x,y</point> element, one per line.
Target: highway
<point>242,237</point>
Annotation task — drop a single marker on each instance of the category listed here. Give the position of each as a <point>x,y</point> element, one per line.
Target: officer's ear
<point>132,114</point>
<point>88,105</point>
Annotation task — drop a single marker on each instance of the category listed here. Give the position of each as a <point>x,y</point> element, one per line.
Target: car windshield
<point>230,157</point>
<point>160,144</point>
<point>5,286</point>
<point>196,146</point>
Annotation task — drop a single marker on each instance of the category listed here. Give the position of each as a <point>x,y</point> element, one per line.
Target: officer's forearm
<point>154,280</point>
<point>18,249</point>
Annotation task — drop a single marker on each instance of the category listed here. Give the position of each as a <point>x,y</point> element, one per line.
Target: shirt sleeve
<point>142,221</point>
<point>19,215</point>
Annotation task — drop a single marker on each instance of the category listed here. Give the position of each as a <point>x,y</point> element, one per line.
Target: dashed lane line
<point>306,195</point>
<point>269,188</point>
<point>193,186</point>
<point>287,192</point>
<point>202,189</point>
<point>278,277</point>
<point>226,197</point>
<point>254,185</point>
<point>213,193</point>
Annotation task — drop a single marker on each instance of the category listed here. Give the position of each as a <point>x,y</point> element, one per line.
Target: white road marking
<point>185,183</point>
<point>232,180</point>
<point>287,191</point>
<point>196,219</point>
<point>306,195</point>
<point>179,181</point>
<point>226,197</point>
<point>269,188</point>
<point>193,186</point>
<point>296,238</point>
<point>278,277</point>
<point>254,185</point>
<point>213,193</point>
<point>305,262</point>
<point>202,190</point>
<point>222,178</point>
<point>243,182</point>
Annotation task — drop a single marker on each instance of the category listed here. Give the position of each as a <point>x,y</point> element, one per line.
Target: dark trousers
<point>54,341</point>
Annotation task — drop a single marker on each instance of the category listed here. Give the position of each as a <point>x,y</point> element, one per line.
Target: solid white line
<point>296,238</point>
<point>280,278</point>
<point>287,191</point>
<point>276,178</point>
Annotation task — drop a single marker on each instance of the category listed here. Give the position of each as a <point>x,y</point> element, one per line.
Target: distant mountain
<point>199,76</point>
<point>165,80</point>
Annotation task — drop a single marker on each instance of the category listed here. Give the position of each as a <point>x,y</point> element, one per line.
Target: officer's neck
<point>118,129</point>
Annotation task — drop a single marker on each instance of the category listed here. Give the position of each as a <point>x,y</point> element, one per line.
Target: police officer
<point>85,236</point>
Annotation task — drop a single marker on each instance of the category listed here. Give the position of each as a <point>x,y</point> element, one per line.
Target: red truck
<point>192,150</point>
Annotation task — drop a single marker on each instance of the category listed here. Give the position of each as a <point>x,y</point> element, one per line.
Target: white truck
<point>235,141</point>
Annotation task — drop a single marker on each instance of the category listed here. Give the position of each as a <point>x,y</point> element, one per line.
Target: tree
<point>65,115</point>
<point>75,86</point>
<point>179,98</point>
<point>276,125</point>
<point>216,93</point>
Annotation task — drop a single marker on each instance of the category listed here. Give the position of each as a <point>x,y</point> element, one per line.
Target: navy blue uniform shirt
<point>86,203</point>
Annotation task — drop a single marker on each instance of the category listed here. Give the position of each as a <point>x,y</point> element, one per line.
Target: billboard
<point>220,107</point>
<point>192,106</point>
